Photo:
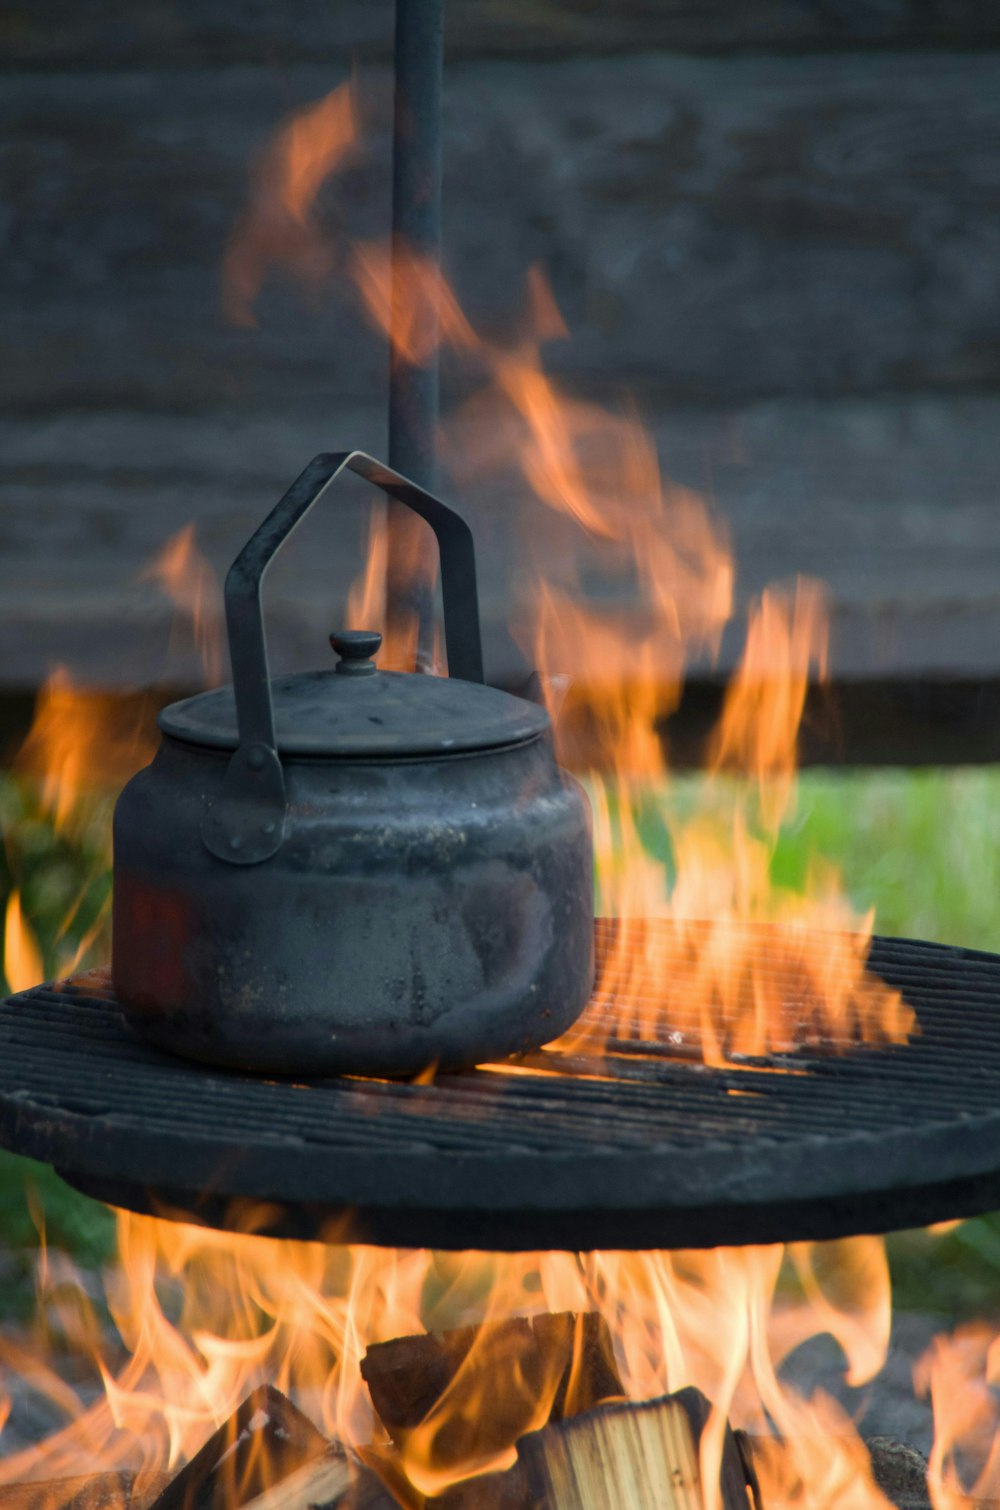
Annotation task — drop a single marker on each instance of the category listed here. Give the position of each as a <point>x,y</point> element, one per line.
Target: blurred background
<point>776,226</point>
<point>773,228</point>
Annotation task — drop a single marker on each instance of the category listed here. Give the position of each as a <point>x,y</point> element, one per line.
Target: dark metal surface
<point>389,870</point>
<point>246,822</point>
<point>637,1149</point>
<point>420,911</point>
<point>379,717</point>
<point>416,256</point>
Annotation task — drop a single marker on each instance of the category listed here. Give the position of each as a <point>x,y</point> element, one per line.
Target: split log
<point>331,1482</point>
<point>505,1368</point>
<point>264,1444</point>
<point>630,1455</point>
<point>407,1378</point>
<point>98,1491</point>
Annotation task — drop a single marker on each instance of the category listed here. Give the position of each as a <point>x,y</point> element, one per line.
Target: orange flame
<point>22,958</point>
<point>960,1373</point>
<point>406,295</point>
<point>80,741</point>
<point>206,1316</point>
<point>189,582</point>
<point>618,676</point>
<point>81,748</point>
<point>367,601</point>
<point>759,729</point>
<point>277,230</point>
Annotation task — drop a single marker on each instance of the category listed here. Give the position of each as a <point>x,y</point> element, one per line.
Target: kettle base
<point>481,1033</point>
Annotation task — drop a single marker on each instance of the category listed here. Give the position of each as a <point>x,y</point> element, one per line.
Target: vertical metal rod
<point>416,243</point>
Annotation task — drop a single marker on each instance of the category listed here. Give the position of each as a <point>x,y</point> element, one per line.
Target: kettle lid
<point>355,710</point>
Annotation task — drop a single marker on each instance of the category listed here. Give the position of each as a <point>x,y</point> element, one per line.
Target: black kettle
<point>353,870</point>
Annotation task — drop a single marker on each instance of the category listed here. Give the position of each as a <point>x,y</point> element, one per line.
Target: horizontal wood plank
<point>716,230</point>
<point>892,503</point>
<point>105,33</point>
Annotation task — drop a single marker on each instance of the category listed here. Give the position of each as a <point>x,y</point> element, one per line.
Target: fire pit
<point>752,1070</point>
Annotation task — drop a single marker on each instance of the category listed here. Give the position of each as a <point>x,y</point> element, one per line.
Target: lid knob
<point>357,649</point>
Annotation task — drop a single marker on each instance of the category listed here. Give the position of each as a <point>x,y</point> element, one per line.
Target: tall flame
<point>614,677</point>
<point>960,1373</point>
<point>81,747</point>
<point>278,228</point>
<point>22,958</point>
<point>205,1316</point>
<point>183,573</point>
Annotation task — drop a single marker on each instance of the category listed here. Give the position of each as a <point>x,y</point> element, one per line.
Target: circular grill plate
<point>640,1148</point>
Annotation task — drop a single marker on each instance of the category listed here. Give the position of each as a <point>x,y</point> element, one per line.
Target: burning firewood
<point>569,1358</point>
<point>100,1491</point>
<point>266,1453</point>
<point>490,1491</point>
<point>327,1483</point>
<point>506,1368</point>
<point>630,1456</point>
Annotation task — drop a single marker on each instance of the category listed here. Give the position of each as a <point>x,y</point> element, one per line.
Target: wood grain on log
<point>631,1456</point>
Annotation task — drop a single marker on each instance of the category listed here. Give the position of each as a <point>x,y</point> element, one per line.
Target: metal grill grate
<point>638,1147</point>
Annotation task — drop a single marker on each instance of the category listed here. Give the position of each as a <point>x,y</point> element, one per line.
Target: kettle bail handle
<point>246,824</point>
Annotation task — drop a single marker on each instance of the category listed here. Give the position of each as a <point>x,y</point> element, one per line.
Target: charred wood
<point>504,1367</point>
<point>264,1444</point>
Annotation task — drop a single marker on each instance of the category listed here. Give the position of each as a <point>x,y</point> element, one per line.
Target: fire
<point>188,580</point>
<point>397,296</point>
<point>617,677</point>
<point>278,229</point>
<point>960,1374</point>
<point>81,742</point>
<point>82,746</point>
<point>613,679</point>
<point>22,958</point>
<point>198,1318</point>
<point>367,601</point>
<point>206,1316</point>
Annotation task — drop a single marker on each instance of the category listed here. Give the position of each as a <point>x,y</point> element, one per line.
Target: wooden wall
<point>777,224</point>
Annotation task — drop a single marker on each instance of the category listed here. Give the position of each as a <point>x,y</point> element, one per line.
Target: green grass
<point>60,870</point>
<point>921,848</point>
